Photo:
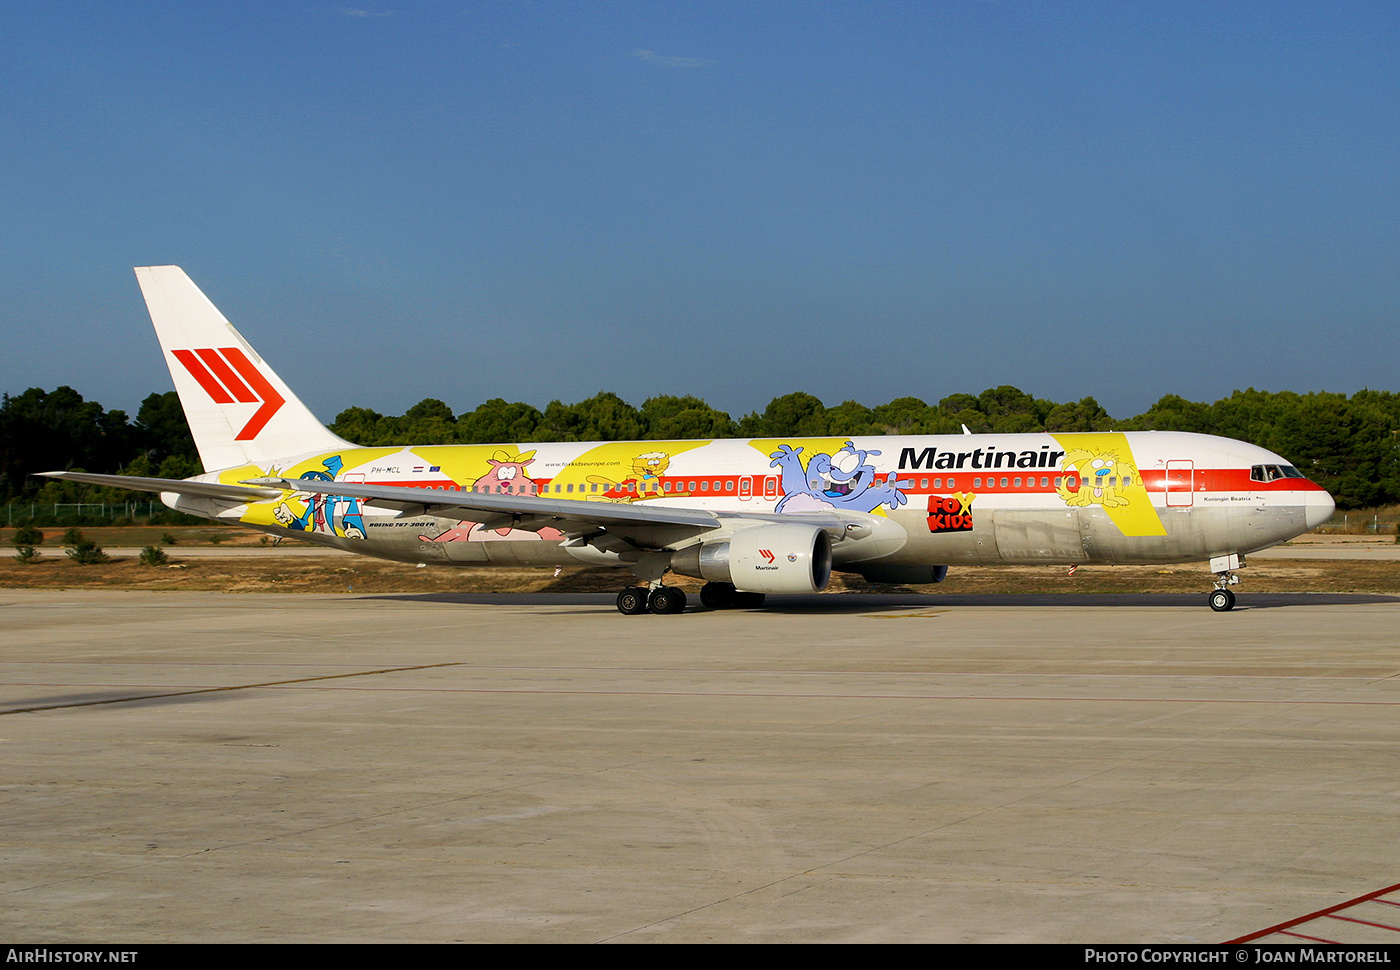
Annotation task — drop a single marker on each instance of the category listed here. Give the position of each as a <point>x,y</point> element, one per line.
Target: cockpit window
<point>1272,473</point>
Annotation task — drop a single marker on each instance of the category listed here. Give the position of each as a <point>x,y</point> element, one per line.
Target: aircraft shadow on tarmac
<point>875,602</point>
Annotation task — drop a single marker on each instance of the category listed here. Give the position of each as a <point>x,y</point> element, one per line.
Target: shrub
<point>167,538</point>
<point>87,553</point>
<point>154,556</point>
<point>74,537</point>
<point>27,535</point>
<point>27,554</point>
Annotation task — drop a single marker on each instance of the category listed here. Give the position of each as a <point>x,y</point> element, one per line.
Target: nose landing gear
<point>1222,598</point>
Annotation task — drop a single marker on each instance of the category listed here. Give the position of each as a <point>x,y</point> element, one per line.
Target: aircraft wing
<point>613,526</point>
<point>238,493</point>
<point>617,527</point>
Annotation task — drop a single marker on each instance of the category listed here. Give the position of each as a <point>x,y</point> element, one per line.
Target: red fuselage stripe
<point>1206,480</point>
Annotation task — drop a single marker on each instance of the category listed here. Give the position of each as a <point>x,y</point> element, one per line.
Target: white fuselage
<point>1140,497</point>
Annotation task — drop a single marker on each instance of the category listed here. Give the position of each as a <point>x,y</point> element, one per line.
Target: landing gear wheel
<point>1222,600</point>
<point>632,601</point>
<point>717,596</point>
<point>666,599</point>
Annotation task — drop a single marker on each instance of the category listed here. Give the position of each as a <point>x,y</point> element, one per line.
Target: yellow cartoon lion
<point>1099,477</point>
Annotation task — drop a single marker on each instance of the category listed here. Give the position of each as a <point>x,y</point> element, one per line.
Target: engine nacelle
<point>778,558</point>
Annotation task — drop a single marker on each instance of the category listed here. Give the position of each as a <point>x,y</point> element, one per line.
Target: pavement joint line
<point>214,690</point>
<point>839,695</point>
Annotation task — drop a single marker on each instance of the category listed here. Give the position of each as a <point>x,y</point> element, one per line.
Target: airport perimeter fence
<point>94,514</point>
<point>1383,523</point>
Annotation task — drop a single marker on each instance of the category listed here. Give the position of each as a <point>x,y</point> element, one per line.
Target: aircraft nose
<point>1318,508</point>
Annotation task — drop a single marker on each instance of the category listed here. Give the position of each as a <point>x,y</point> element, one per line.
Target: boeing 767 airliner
<point>748,516</point>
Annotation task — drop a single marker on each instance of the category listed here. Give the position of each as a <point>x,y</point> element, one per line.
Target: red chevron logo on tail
<point>229,377</point>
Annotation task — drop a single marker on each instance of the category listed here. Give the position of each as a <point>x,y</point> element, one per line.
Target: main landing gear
<point>636,600</point>
<point>654,597</point>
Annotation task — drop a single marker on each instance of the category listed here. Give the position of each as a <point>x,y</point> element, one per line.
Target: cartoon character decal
<point>473,532</point>
<point>845,480</point>
<point>1095,477</point>
<point>508,476</point>
<point>644,483</point>
<point>649,468</point>
<point>335,515</point>
<point>1098,474</point>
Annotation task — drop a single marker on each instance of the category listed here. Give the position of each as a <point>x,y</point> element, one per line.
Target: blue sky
<point>539,200</point>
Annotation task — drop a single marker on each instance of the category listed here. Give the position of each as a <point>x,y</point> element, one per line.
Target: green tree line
<point>1347,444</point>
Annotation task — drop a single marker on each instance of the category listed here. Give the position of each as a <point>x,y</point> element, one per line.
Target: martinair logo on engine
<point>229,377</point>
<point>767,554</point>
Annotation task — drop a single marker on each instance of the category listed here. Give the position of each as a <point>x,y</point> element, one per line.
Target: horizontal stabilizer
<point>179,486</point>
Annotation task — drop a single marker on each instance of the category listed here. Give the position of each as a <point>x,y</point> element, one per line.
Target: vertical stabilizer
<point>239,410</point>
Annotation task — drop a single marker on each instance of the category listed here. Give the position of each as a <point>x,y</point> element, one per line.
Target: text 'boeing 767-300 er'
<point>749,516</point>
